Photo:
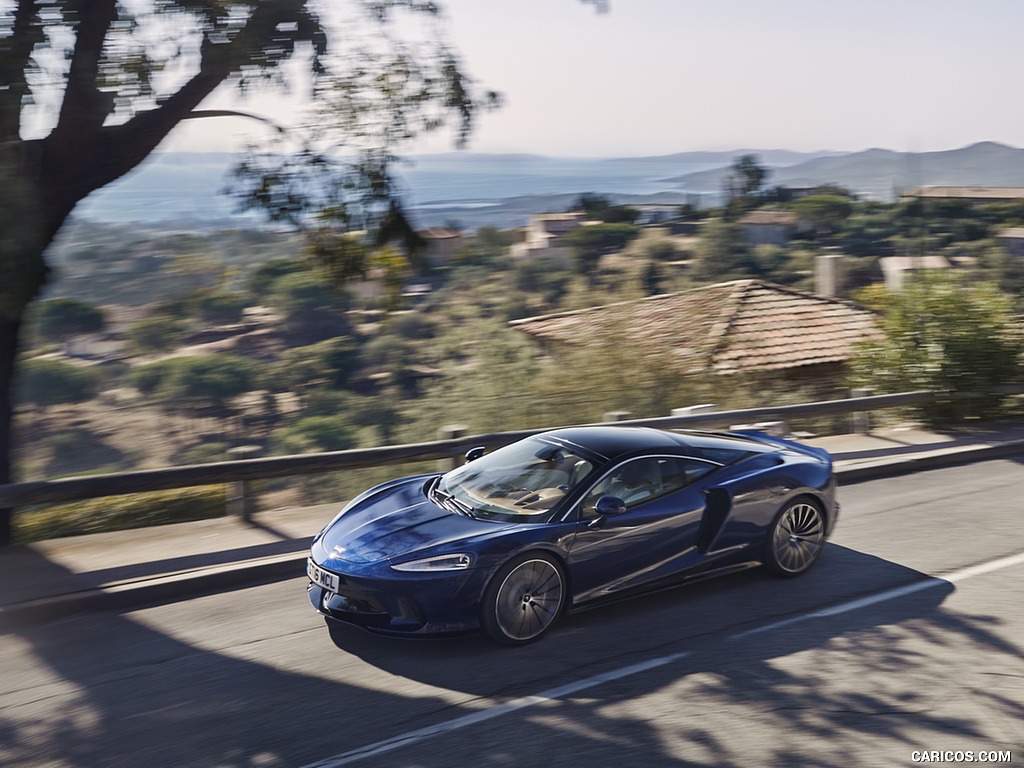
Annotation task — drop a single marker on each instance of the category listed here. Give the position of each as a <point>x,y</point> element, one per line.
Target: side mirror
<point>475,453</point>
<point>609,506</point>
<point>606,506</point>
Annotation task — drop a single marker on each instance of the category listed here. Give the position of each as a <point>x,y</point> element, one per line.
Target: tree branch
<point>123,147</point>
<point>85,107</point>
<point>15,57</point>
<point>119,148</point>
<point>204,113</point>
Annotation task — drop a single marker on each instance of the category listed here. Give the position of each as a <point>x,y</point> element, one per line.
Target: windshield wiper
<point>449,502</point>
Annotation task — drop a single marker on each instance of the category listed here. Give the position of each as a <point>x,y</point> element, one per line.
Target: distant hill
<point>881,173</point>
<point>772,157</point>
<point>184,189</point>
<point>470,157</point>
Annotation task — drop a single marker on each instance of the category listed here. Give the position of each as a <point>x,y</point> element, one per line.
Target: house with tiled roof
<point>967,194</point>
<point>440,244</point>
<point>769,227</point>
<point>1013,240</point>
<point>543,234</point>
<point>742,326</point>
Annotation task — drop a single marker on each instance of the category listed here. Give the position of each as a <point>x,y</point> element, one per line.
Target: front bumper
<point>403,604</point>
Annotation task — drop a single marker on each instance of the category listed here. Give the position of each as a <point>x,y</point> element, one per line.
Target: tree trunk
<point>8,351</point>
<point>25,233</point>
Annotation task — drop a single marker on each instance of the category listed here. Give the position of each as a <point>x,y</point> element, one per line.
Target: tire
<point>523,600</point>
<point>795,539</point>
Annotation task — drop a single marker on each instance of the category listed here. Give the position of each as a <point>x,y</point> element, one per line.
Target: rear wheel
<point>523,600</point>
<point>795,539</point>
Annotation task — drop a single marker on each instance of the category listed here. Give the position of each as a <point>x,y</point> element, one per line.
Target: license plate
<point>320,577</point>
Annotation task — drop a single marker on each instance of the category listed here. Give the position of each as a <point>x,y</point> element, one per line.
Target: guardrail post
<point>241,498</point>
<point>860,421</point>
<point>610,416</point>
<point>773,428</point>
<point>450,432</point>
<point>695,410</point>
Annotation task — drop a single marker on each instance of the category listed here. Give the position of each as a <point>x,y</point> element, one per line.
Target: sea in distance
<point>176,187</point>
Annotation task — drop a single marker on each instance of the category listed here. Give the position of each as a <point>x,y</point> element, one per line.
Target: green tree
<point>398,358</point>
<point>313,310</point>
<point>150,377</point>
<point>205,384</point>
<point>663,250</point>
<point>381,413</point>
<point>620,214</point>
<point>743,185</point>
<point>723,253</point>
<point>600,208</point>
<point>823,212</point>
<point>593,206</point>
<point>395,270</point>
<point>102,61</point>
<point>413,325</point>
<point>652,279</point>
<point>590,243</point>
<point>486,246</point>
<point>43,382</point>
<point>302,369</point>
<point>341,256</point>
<point>263,280</point>
<point>750,174</point>
<point>220,307</point>
<point>941,335</point>
<point>62,319</point>
<point>868,232</point>
<point>312,434</point>
<point>157,333</point>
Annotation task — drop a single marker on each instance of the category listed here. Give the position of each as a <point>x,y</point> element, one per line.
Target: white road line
<point>982,568</point>
<point>544,697</point>
<point>554,694</point>
<point>953,577</point>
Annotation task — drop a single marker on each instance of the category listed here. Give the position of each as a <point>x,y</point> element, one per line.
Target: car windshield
<point>522,482</point>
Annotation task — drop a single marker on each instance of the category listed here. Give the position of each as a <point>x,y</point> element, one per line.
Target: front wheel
<point>523,600</point>
<point>795,539</point>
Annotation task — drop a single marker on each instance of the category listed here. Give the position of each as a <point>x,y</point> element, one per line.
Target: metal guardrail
<point>121,483</point>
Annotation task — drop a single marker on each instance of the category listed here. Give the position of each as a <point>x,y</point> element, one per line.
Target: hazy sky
<point>661,76</point>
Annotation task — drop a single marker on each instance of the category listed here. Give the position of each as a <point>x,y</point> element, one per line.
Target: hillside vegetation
<point>238,338</point>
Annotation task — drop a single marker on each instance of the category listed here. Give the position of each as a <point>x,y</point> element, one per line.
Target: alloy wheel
<point>798,538</point>
<point>529,599</point>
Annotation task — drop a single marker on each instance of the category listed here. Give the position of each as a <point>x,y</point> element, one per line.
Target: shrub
<point>312,434</point>
<point>944,336</point>
<point>157,333</point>
<point>221,307</point>
<point>120,513</point>
<point>44,382</point>
<point>71,444</point>
<point>202,453</point>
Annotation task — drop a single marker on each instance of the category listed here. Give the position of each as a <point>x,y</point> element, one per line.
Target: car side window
<point>640,480</point>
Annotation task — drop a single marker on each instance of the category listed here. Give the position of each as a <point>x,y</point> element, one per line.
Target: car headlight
<point>458,562</point>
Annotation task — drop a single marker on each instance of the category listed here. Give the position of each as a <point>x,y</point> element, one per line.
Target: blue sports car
<point>511,540</point>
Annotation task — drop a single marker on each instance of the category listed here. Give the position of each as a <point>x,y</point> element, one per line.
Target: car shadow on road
<point>106,688</point>
<point>113,689</point>
<point>878,670</point>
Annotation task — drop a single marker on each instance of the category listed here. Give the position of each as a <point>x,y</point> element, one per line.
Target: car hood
<point>395,523</point>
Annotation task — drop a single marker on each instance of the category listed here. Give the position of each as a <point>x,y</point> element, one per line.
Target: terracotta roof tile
<point>784,218</point>
<point>744,325</point>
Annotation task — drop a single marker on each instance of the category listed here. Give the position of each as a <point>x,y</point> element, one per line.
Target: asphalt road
<point>907,637</point>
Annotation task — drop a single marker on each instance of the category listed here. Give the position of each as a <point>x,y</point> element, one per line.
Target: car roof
<point>611,442</point>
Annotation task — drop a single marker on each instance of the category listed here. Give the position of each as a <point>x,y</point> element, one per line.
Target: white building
<point>543,233</point>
